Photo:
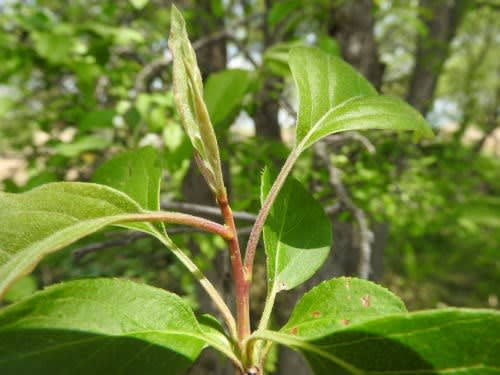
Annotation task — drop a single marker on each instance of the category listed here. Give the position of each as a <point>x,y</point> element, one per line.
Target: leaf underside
<point>48,218</point>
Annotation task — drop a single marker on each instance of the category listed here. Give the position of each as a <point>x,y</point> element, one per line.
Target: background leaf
<point>87,143</point>
<point>224,93</point>
<point>450,341</point>
<point>106,325</point>
<point>281,10</point>
<point>297,235</point>
<point>139,4</point>
<point>339,302</point>
<point>48,218</point>
<point>136,173</point>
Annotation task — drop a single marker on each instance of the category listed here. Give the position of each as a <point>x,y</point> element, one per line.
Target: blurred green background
<point>82,80</point>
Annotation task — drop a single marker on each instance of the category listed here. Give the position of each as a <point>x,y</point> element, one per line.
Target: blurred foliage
<point>78,84</point>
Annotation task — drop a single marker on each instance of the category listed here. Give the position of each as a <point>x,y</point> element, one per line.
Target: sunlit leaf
<point>188,94</point>
<point>297,235</point>
<point>334,97</point>
<point>449,341</point>
<point>338,303</point>
<point>48,218</point>
<point>99,326</point>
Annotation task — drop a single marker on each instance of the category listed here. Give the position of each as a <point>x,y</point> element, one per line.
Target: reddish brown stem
<point>185,219</point>
<point>239,275</point>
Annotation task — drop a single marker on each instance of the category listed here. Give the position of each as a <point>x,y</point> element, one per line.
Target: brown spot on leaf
<point>344,322</point>
<point>365,301</point>
<point>293,331</point>
<point>315,314</point>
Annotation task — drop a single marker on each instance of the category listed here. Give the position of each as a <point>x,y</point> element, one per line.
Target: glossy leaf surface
<point>103,326</point>
<point>329,88</point>
<point>297,235</point>
<point>374,112</point>
<point>338,303</point>
<point>448,341</point>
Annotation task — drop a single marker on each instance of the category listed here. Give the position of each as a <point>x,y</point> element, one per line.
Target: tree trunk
<point>352,26</point>
<point>433,49</point>
<point>266,114</point>
<point>267,97</point>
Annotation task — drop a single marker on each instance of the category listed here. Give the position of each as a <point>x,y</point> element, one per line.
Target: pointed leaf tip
<point>188,95</point>
<point>334,97</point>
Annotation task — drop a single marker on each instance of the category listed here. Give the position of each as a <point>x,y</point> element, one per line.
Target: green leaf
<point>338,303</point>
<point>54,45</point>
<point>22,288</point>
<point>377,112</point>
<point>100,326</point>
<point>119,35</point>
<point>282,9</point>
<point>224,93</point>
<point>48,218</point>
<point>139,4</point>
<point>188,94</point>
<point>97,119</point>
<point>334,97</point>
<point>84,144</point>
<point>297,235</point>
<point>136,173</point>
<point>217,8</point>
<point>276,57</point>
<point>449,341</point>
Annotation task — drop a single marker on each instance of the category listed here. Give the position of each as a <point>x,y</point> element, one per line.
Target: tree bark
<point>266,114</point>
<point>267,97</point>
<point>352,25</point>
<point>433,49</point>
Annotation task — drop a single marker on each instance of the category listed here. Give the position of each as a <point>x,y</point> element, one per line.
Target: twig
<point>241,282</point>
<point>155,67</point>
<point>288,107</point>
<point>365,234</point>
<point>333,209</point>
<point>128,237</point>
<point>352,135</point>
<point>208,210</point>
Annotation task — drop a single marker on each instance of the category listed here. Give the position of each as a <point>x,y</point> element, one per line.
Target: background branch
<point>345,201</point>
<point>206,210</point>
<point>128,237</point>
